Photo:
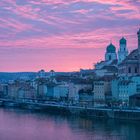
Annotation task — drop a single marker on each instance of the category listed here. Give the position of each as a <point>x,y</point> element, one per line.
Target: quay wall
<point>76,110</point>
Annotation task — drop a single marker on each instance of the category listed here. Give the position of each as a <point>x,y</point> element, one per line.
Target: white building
<point>107,67</point>
<point>124,87</point>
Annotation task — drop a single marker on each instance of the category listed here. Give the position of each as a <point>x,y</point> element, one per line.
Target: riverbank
<point>92,112</point>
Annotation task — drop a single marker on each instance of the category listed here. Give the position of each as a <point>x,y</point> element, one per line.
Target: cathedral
<point>121,63</point>
<point>130,66</point>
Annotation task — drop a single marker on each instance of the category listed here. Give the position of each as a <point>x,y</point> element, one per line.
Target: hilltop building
<point>108,67</point>
<point>122,64</point>
<point>130,66</point>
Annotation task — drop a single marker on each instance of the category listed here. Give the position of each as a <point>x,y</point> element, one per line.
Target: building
<point>111,54</point>
<point>61,92</point>
<point>86,97</point>
<point>57,91</point>
<point>26,92</point>
<point>13,90</point>
<point>101,90</point>
<point>110,70</point>
<point>41,74</point>
<point>109,65</point>
<point>52,73</point>
<point>134,100</point>
<point>77,85</point>
<point>42,90</point>
<point>124,87</point>
<point>130,66</point>
<point>3,90</point>
<point>123,51</point>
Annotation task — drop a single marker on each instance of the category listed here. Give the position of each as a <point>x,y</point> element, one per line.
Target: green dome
<point>111,48</point>
<point>123,41</point>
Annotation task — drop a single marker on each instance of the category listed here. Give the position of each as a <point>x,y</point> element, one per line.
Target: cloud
<point>63,24</point>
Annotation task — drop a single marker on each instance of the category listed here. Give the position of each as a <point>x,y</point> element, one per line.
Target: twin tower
<point>122,52</point>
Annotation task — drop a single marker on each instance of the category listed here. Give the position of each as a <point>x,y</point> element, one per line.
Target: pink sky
<point>64,35</point>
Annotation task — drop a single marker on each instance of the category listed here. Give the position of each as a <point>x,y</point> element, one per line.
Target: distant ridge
<point>5,76</point>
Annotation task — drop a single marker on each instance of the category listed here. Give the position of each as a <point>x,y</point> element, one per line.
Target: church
<point>120,63</point>
<point>109,66</point>
<point>130,66</point>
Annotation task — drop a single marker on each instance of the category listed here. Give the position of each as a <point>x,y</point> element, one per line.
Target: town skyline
<point>64,36</point>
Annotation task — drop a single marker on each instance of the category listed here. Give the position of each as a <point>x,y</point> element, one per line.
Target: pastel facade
<point>123,88</point>
<point>100,90</point>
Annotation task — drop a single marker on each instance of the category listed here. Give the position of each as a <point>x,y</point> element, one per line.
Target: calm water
<point>23,125</point>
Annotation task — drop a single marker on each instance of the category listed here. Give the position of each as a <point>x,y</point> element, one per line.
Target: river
<point>26,125</point>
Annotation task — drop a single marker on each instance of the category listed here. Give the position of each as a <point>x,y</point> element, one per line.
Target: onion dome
<point>111,48</point>
<point>123,41</point>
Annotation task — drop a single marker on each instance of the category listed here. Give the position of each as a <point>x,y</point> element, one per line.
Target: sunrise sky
<point>64,35</point>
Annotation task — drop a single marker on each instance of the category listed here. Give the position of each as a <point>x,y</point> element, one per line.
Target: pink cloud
<point>94,39</point>
<point>75,28</point>
<point>14,25</point>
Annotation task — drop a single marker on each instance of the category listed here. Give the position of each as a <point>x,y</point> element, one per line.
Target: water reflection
<point>25,125</point>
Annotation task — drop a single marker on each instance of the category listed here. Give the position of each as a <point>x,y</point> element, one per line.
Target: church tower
<point>123,51</point>
<point>110,53</point>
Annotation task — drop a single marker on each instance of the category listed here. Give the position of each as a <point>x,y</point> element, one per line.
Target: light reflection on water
<point>25,125</point>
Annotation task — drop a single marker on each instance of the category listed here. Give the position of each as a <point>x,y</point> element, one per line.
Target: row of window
<point>130,70</point>
<point>99,84</point>
<point>123,95</point>
<point>99,97</point>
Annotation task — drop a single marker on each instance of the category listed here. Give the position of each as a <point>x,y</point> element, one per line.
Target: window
<point>136,70</point>
<point>129,70</point>
<point>109,57</point>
